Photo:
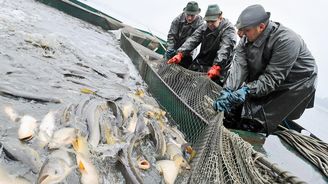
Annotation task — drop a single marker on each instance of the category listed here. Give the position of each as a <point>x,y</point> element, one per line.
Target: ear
<point>262,26</point>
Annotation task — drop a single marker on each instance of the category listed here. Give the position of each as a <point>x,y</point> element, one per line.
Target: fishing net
<point>222,156</point>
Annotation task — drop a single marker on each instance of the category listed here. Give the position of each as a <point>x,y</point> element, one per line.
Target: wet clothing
<point>179,32</point>
<point>216,49</point>
<point>280,73</point>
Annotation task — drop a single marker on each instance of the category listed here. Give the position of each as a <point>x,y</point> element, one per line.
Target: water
<point>44,52</point>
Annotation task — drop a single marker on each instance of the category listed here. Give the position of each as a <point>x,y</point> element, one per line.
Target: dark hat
<point>192,8</point>
<point>212,12</point>
<point>252,16</point>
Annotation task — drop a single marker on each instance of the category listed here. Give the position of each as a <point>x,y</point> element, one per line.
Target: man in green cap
<point>181,28</point>
<point>272,78</point>
<point>218,39</point>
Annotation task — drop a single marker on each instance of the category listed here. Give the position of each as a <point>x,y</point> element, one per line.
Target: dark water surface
<point>46,54</point>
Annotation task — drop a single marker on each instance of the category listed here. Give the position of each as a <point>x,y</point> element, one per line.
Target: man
<point>181,28</point>
<point>272,78</point>
<point>218,38</point>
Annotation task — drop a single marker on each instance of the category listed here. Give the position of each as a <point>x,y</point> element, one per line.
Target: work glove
<point>170,53</point>
<point>229,99</point>
<point>214,71</point>
<point>238,97</point>
<point>176,59</point>
<point>222,104</point>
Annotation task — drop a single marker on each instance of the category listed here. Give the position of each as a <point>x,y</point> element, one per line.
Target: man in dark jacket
<point>272,78</point>
<point>218,38</point>
<point>181,28</point>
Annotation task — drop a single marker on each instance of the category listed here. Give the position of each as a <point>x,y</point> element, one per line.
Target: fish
<point>12,114</point>
<point>80,145</point>
<point>27,128</point>
<point>172,150</point>
<point>93,111</point>
<point>67,114</point>
<point>6,178</point>
<point>130,117</point>
<point>108,124</point>
<point>157,137</point>
<point>8,91</point>
<point>47,127</point>
<point>117,112</point>
<point>56,168</point>
<point>89,173</point>
<point>17,151</point>
<point>124,159</point>
<point>109,137</point>
<point>170,168</point>
<point>62,137</point>
<point>175,135</point>
<point>123,166</point>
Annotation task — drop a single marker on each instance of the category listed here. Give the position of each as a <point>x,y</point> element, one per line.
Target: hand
<point>222,104</point>
<point>170,53</point>
<point>229,99</point>
<point>214,71</point>
<point>176,59</point>
<point>238,97</point>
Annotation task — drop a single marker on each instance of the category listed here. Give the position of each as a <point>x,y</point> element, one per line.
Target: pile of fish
<point>126,140</point>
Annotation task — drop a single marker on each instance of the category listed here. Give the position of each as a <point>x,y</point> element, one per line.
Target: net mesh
<point>222,156</point>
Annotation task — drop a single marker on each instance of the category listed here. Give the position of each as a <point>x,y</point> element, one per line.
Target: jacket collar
<point>260,40</point>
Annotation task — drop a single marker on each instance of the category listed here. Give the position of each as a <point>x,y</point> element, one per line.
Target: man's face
<point>212,25</point>
<point>252,33</point>
<point>190,18</point>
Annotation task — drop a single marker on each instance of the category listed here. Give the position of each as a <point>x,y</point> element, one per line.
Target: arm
<point>172,33</point>
<point>227,44</point>
<point>284,55</point>
<point>193,41</point>
<point>238,71</point>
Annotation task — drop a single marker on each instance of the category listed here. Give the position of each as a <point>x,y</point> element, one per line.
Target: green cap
<point>212,12</point>
<point>192,8</point>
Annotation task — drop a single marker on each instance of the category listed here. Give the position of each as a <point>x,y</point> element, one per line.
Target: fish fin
<point>81,167</point>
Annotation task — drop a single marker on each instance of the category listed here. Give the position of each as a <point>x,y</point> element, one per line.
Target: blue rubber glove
<point>222,103</point>
<point>229,99</point>
<point>238,97</point>
<point>170,53</point>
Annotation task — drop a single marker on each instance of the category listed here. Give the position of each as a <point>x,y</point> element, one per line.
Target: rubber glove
<point>214,71</point>
<point>228,99</point>
<point>170,53</point>
<point>176,59</point>
<point>222,103</point>
<point>238,97</point>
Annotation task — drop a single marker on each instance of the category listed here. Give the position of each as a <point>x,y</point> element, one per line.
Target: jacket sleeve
<point>171,37</point>
<point>193,41</point>
<point>284,55</point>
<point>238,71</point>
<point>227,45</point>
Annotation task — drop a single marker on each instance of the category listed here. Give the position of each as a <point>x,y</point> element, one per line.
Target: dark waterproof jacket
<point>280,72</point>
<point>217,46</point>
<point>180,30</point>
